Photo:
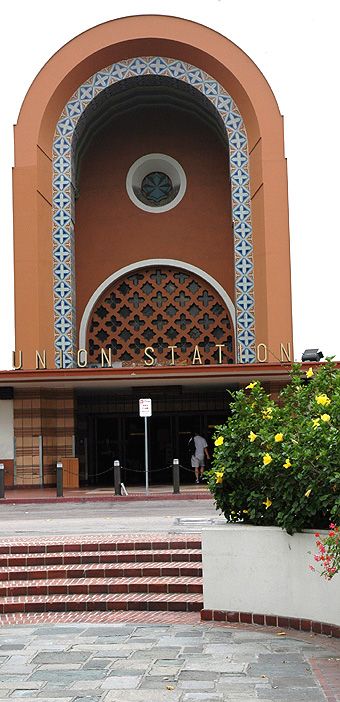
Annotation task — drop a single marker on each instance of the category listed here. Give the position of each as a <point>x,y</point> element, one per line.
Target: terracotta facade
<point>76,228</point>
<point>71,67</point>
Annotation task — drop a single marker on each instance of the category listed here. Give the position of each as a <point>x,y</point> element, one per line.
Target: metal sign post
<point>145,410</point>
<point>146,456</point>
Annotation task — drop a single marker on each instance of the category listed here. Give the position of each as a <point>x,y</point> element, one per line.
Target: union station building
<point>151,250</point>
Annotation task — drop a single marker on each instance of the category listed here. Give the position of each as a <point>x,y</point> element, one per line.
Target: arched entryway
<point>111,91</point>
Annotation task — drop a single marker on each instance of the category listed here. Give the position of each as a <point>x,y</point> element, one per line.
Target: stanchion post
<point>117,477</point>
<point>59,479</point>
<point>175,475</point>
<point>2,481</point>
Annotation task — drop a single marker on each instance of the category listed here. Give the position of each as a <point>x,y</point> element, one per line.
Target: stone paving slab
<point>137,662</point>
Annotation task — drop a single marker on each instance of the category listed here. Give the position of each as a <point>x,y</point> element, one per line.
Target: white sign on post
<point>145,408</point>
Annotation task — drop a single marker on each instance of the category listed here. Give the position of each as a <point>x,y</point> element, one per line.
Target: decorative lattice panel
<point>161,307</point>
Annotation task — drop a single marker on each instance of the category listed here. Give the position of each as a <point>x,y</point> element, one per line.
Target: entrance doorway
<point>109,428</point>
<point>123,439</point>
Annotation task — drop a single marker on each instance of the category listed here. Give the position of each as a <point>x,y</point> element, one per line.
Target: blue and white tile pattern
<point>63,196</point>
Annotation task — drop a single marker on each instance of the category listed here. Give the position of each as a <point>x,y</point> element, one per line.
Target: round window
<point>156,183</point>
<point>156,187</point>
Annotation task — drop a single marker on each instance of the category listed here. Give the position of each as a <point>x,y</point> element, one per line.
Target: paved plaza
<point>150,656</point>
<point>141,662</point>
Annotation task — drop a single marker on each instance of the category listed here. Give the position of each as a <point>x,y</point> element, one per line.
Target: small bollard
<point>117,477</point>
<point>175,475</point>
<point>59,479</point>
<point>2,481</point>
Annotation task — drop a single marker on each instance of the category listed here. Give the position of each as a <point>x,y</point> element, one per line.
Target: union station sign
<point>149,357</point>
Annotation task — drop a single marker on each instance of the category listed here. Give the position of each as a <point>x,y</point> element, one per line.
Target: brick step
<point>104,586</point>
<point>118,543</point>
<point>132,572</point>
<point>130,601</point>
<point>135,556</point>
<point>104,570</point>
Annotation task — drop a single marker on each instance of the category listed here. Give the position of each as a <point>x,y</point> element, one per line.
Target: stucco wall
<point>264,570</point>
<point>111,232</point>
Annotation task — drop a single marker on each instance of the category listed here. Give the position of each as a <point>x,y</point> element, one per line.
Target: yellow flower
<point>245,511</point>
<point>219,441</point>
<point>267,503</point>
<point>232,511</point>
<point>278,437</point>
<point>322,399</point>
<point>267,412</point>
<point>325,417</point>
<point>219,476</point>
<point>267,459</point>
<point>251,385</point>
<point>287,464</point>
<point>309,373</point>
<point>316,423</point>
<point>252,436</point>
<point>308,493</point>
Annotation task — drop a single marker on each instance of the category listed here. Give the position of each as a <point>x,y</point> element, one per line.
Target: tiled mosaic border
<point>64,189</point>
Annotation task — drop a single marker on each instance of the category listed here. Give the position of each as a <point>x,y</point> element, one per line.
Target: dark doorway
<point>109,428</point>
<point>122,438</point>
<point>107,448</point>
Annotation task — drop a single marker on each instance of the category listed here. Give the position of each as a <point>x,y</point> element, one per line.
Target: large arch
<point>64,148</point>
<point>107,45</point>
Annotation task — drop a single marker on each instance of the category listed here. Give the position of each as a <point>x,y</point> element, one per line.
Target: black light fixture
<point>312,355</point>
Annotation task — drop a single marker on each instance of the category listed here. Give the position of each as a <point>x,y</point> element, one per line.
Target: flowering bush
<point>329,552</point>
<point>279,464</point>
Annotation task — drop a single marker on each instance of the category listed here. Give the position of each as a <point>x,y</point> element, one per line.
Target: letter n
<point>106,358</point>
<point>286,352</point>
<point>39,359</point>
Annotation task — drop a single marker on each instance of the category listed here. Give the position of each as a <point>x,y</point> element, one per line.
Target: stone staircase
<point>129,572</point>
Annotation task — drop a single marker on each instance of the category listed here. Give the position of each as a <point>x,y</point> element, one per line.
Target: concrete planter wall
<point>264,570</point>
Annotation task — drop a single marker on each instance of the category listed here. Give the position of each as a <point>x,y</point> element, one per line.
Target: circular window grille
<point>156,187</point>
<point>173,311</point>
<point>156,183</point>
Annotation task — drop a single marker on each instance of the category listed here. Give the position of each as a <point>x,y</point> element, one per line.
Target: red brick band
<point>215,615</point>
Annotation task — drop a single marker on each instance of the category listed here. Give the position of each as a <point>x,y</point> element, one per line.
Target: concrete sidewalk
<point>68,518</point>
<point>143,662</point>
<point>48,495</point>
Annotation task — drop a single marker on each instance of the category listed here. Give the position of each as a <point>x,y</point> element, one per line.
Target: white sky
<point>295,45</point>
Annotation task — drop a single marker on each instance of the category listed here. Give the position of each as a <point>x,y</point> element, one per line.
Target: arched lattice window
<point>161,307</point>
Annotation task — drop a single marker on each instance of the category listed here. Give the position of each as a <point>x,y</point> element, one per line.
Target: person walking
<point>198,453</point>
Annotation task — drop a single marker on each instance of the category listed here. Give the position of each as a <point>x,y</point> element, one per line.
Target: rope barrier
<point>130,470</point>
